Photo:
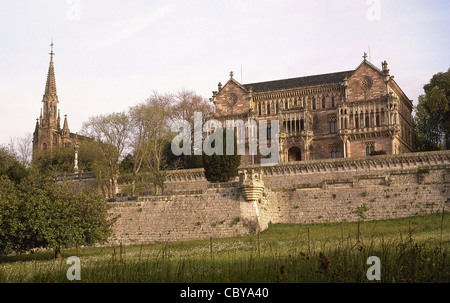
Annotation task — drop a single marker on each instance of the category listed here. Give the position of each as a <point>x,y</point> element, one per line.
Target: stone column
<point>75,165</point>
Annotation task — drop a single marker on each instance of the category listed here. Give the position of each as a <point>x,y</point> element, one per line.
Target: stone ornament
<point>366,83</point>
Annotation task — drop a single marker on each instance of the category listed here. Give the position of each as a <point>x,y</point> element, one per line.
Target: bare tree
<point>110,132</point>
<point>159,136</point>
<point>22,148</point>
<point>188,103</point>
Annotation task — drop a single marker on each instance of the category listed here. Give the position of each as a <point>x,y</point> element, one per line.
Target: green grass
<point>332,254</point>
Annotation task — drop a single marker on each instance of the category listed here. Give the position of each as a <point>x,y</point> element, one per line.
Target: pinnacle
<point>50,87</point>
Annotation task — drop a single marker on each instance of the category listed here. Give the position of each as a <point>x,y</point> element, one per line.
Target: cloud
<point>118,31</point>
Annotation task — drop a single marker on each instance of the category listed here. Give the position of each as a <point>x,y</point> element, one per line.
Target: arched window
<point>286,105</point>
<point>314,103</point>
<point>333,126</point>
<point>259,109</point>
<point>367,121</point>
<point>333,104</point>
<point>268,108</point>
<point>294,154</point>
<point>378,120</point>
<point>369,149</point>
<point>356,122</point>
<point>302,124</point>
<point>334,153</point>
<point>323,102</point>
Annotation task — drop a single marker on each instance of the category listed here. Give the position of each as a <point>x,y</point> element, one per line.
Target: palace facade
<point>338,115</point>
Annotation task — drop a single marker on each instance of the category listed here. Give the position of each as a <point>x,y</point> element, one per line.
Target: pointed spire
<point>66,125</point>
<point>50,87</point>
<point>65,131</point>
<point>59,120</point>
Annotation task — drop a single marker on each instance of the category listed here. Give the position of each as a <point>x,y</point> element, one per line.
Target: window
<point>295,102</point>
<point>378,120</point>
<point>286,105</point>
<point>268,108</point>
<point>260,109</point>
<point>277,108</point>
<point>367,121</point>
<point>333,126</point>
<point>356,122</point>
<point>302,124</point>
<point>334,154</point>
<point>314,103</point>
<point>369,149</point>
<point>333,104</point>
<point>323,102</point>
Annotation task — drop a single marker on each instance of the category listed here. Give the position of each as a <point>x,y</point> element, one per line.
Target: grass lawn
<point>409,250</point>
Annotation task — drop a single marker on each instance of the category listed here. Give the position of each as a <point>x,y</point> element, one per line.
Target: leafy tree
<point>16,172</point>
<point>432,114</point>
<point>55,160</point>
<point>41,213</point>
<point>11,167</point>
<point>127,164</point>
<point>10,224</point>
<point>6,159</point>
<point>222,168</point>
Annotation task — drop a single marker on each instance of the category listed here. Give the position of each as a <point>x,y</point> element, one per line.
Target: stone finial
<point>219,86</point>
<point>251,184</point>
<point>365,56</point>
<point>385,67</point>
<point>231,74</point>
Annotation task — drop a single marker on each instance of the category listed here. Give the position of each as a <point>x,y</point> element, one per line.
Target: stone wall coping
<point>403,161</point>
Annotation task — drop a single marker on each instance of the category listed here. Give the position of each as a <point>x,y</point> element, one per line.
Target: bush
<point>222,168</point>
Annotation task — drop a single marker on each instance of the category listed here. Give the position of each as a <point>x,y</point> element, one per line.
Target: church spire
<point>65,130</point>
<point>50,87</point>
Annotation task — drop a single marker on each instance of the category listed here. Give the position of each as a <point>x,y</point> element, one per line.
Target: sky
<point>113,54</point>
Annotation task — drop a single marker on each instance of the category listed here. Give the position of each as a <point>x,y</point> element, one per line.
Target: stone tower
<point>48,133</point>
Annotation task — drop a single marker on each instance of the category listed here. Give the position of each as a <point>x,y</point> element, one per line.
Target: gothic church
<point>48,133</point>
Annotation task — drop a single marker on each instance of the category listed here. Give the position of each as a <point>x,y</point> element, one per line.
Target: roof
<point>299,82</point>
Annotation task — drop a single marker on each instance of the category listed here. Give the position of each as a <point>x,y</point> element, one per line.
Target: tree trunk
<point>58,253</point>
